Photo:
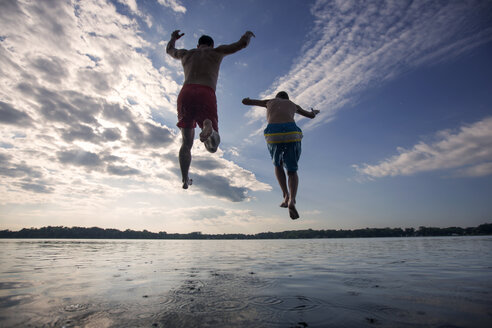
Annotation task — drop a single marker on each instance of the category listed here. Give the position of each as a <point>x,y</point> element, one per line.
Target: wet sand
<point>392,282</point>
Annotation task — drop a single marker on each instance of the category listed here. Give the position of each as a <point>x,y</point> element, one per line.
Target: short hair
<point>205,39</point>
<point>282,94</point>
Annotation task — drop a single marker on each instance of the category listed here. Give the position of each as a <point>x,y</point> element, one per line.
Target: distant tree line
<point>99,233</point>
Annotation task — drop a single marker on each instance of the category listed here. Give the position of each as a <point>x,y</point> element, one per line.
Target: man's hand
<point>175,35</point>
<point>315,112</point>
<point>255,102</point>
<point>248,36</point>
<point>170,48</point>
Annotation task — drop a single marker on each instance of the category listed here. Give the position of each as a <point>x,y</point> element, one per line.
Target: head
<point>282,95</point>
<point>206,41</point>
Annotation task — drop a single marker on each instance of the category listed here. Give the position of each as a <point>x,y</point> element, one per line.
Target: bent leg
<point>282,181</point>
<point>187,135</point>
<point>293,184</point>
<point>209,137</point>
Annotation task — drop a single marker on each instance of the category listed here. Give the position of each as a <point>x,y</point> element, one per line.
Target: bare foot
<point>293,211</point>
<point>285,203</point>
<point>187,183</point>
<point>206,131</point>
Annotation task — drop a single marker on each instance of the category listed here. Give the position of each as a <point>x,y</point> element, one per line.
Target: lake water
<point>375,282</point>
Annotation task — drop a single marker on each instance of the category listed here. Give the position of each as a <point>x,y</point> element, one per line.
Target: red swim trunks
<point>196,103</point>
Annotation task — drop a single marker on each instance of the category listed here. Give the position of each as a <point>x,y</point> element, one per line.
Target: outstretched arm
<point>243,42</point>
<point>310,114</point>
<point>255,102</point>
<point>171,50</point>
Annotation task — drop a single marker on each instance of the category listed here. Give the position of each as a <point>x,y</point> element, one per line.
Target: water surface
<point>373,282</point>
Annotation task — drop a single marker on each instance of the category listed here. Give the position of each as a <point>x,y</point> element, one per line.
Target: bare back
<point>280,110</point>
<point>201,66</point>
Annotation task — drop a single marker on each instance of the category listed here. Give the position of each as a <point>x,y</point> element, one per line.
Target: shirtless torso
<point>201,65</point>
<point>280,111</point>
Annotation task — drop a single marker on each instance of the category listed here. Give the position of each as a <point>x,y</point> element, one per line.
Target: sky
<point>88,132</point>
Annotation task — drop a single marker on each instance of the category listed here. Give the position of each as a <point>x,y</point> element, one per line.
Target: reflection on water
<point>380,282</point>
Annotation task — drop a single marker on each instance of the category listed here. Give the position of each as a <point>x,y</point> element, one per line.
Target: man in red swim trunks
<point>197,103</point>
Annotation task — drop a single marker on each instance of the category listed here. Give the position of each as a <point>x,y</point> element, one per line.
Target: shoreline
<point>60,232</point>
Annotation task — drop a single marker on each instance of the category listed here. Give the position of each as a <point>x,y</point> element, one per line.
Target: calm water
<point>382,282</point>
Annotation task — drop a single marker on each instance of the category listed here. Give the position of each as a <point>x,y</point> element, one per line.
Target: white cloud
<point>132,5</point>
<point>220,178</point>
<point>76,102</point>
<point>175,5</point>
<point>214,218</point>
<point>467,152</point>
<point>357,45</point>
<point>234,151</point>
<point>241,64</point>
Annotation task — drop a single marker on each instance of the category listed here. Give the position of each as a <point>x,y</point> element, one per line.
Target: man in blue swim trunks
<point>283,139</point>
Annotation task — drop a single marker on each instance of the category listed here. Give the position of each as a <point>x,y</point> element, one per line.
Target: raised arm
<point>310,114</point>
<point>171,50</point>
<point>255,102</point>
<point>243,42</point>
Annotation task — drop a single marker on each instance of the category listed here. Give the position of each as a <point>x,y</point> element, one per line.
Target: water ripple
<point>225,305</point>
<point>15,285</point>
<point>266,300</point>
<point>298,303</point>
<point>76,307</point>
<point>15,300</point>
